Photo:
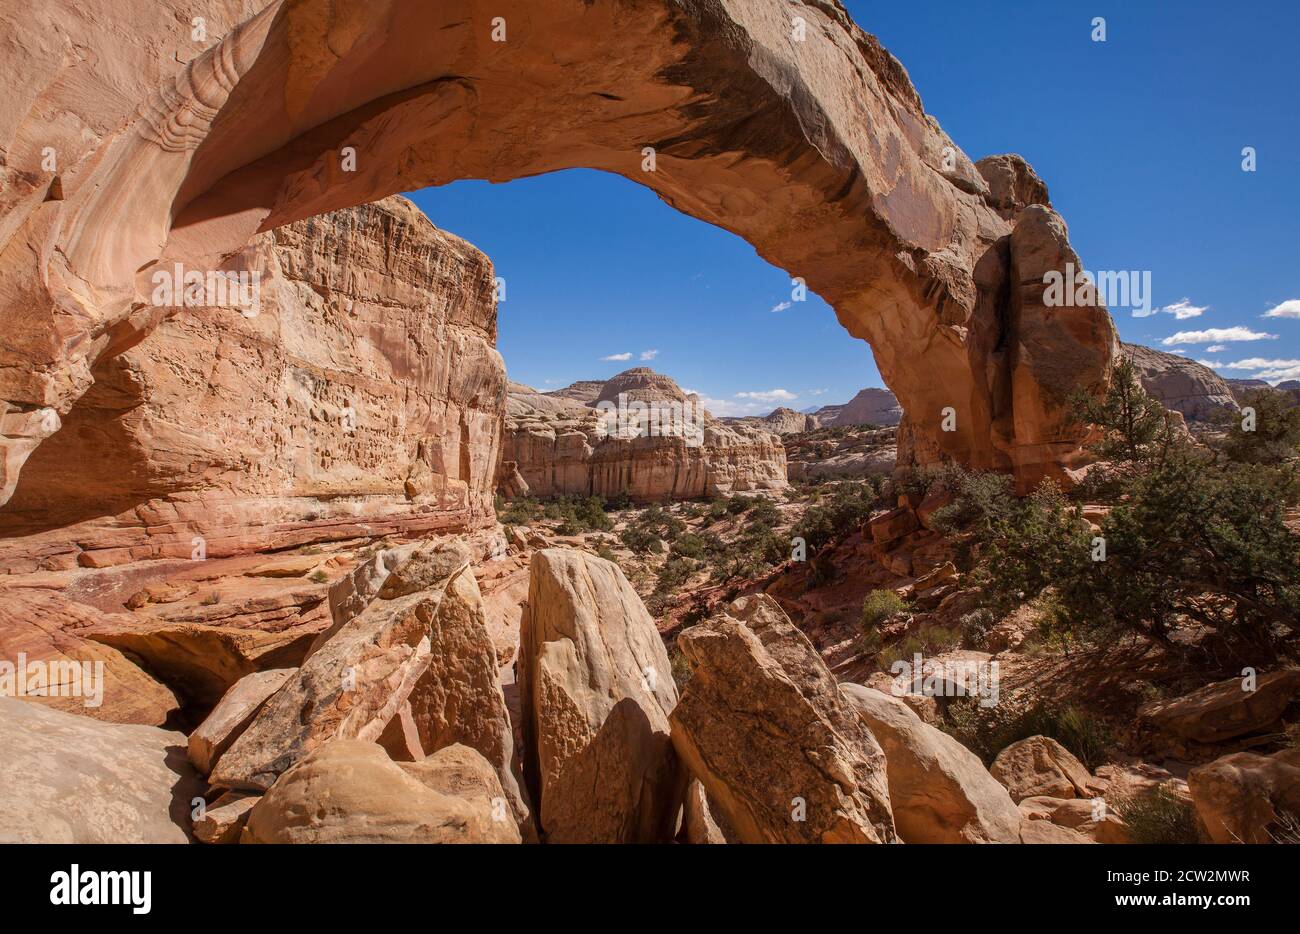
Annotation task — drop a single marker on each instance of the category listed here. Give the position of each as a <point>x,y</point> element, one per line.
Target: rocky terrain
<point>558,444</point>
<point>257,584</point>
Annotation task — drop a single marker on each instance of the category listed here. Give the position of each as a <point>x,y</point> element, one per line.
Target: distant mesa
<point>553,446</point>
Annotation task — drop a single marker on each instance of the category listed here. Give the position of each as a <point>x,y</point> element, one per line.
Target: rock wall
<point>1180,384</point>
<point>362,394</point>
<point>558,447</point>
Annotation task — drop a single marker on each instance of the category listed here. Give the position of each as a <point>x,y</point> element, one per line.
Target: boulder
<point>1224,710</point>
<point>223,820</point>
<point>71,779</point>
<point>763,726</point>
<point>1092,818</point>
<point>1039,765</point>
<point>596,688</point>
<point>893,525</point>
<point>458,698</point>
<point>349,791</point>
<point>1249,798</point>
<point>357,682</point>
<point>939,790</point>
<point>1041,831</point>
<point>232,715</point>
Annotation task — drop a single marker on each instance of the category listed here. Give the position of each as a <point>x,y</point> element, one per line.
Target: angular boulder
<point>1224,710</point>
<point>366,675</point>
<point>232,715</point>
<point>1249,798</point>
<point>939,790</point>
<point>1040,766</point>
<point>764,728</point>
<point>349,791</point>
<point>596,688</point>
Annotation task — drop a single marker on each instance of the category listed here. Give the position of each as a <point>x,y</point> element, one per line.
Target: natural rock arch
<point>815,150</point>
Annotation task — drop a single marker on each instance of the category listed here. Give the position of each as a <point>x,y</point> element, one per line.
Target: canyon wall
<point>363,394</point>
<point>556,442</point>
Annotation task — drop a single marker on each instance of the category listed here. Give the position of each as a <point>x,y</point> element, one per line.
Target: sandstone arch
<point>818,152</point>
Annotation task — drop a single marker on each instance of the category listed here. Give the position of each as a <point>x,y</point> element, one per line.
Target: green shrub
<point>880,605</point>
<point>1275,437</point>
<point>641,541</point>
<point>689,546</point>
<point>1159,816</point>
<point>939,639</point>
<point>975,627</point>
<point>318,576</point>
<point>839,514</point>
<point>986,731</point>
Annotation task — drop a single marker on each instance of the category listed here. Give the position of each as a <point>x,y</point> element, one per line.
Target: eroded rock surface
<point>596,688</point>
<point>764,728</point>
<point>363,396</point>
<point>184,154</point>
<point>1249,798</point>
<point>1180,384</point>
<point>349,791</point>
<point>939,790</point>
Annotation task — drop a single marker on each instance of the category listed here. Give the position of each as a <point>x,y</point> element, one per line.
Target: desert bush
<point>1159,816</point>
<point>899,651</point>
<point>641,541</point>
<point>939,639</point>
<point>986,731</point>
<point>880,605</point>
<point>1275,436</point>
<point>689,546</point>
<point>844,510</point>
<point>974,627</point>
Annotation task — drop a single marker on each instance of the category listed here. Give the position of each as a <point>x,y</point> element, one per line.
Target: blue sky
<point>1139,139</point>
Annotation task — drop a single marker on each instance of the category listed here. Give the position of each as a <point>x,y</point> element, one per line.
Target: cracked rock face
<point>364,396</point>
<point>818,152</point>
<point>763,726</point>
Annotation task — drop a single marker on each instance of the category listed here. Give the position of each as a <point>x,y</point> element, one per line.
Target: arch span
<point>780,121</point>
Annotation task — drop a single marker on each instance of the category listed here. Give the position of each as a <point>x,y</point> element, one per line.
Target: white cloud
<point>818,392</point>
<point>1216,348</point>
<point>729,407</point>
<point>1216,335</point>
<point>770,395</point>
<point>782,306</point>
<point>618,356</point>
<point>1273,371</point>
<point>1212,364</point>
<point>649,354</point>
<point>1181,309</point>
<point>1288,309</point>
